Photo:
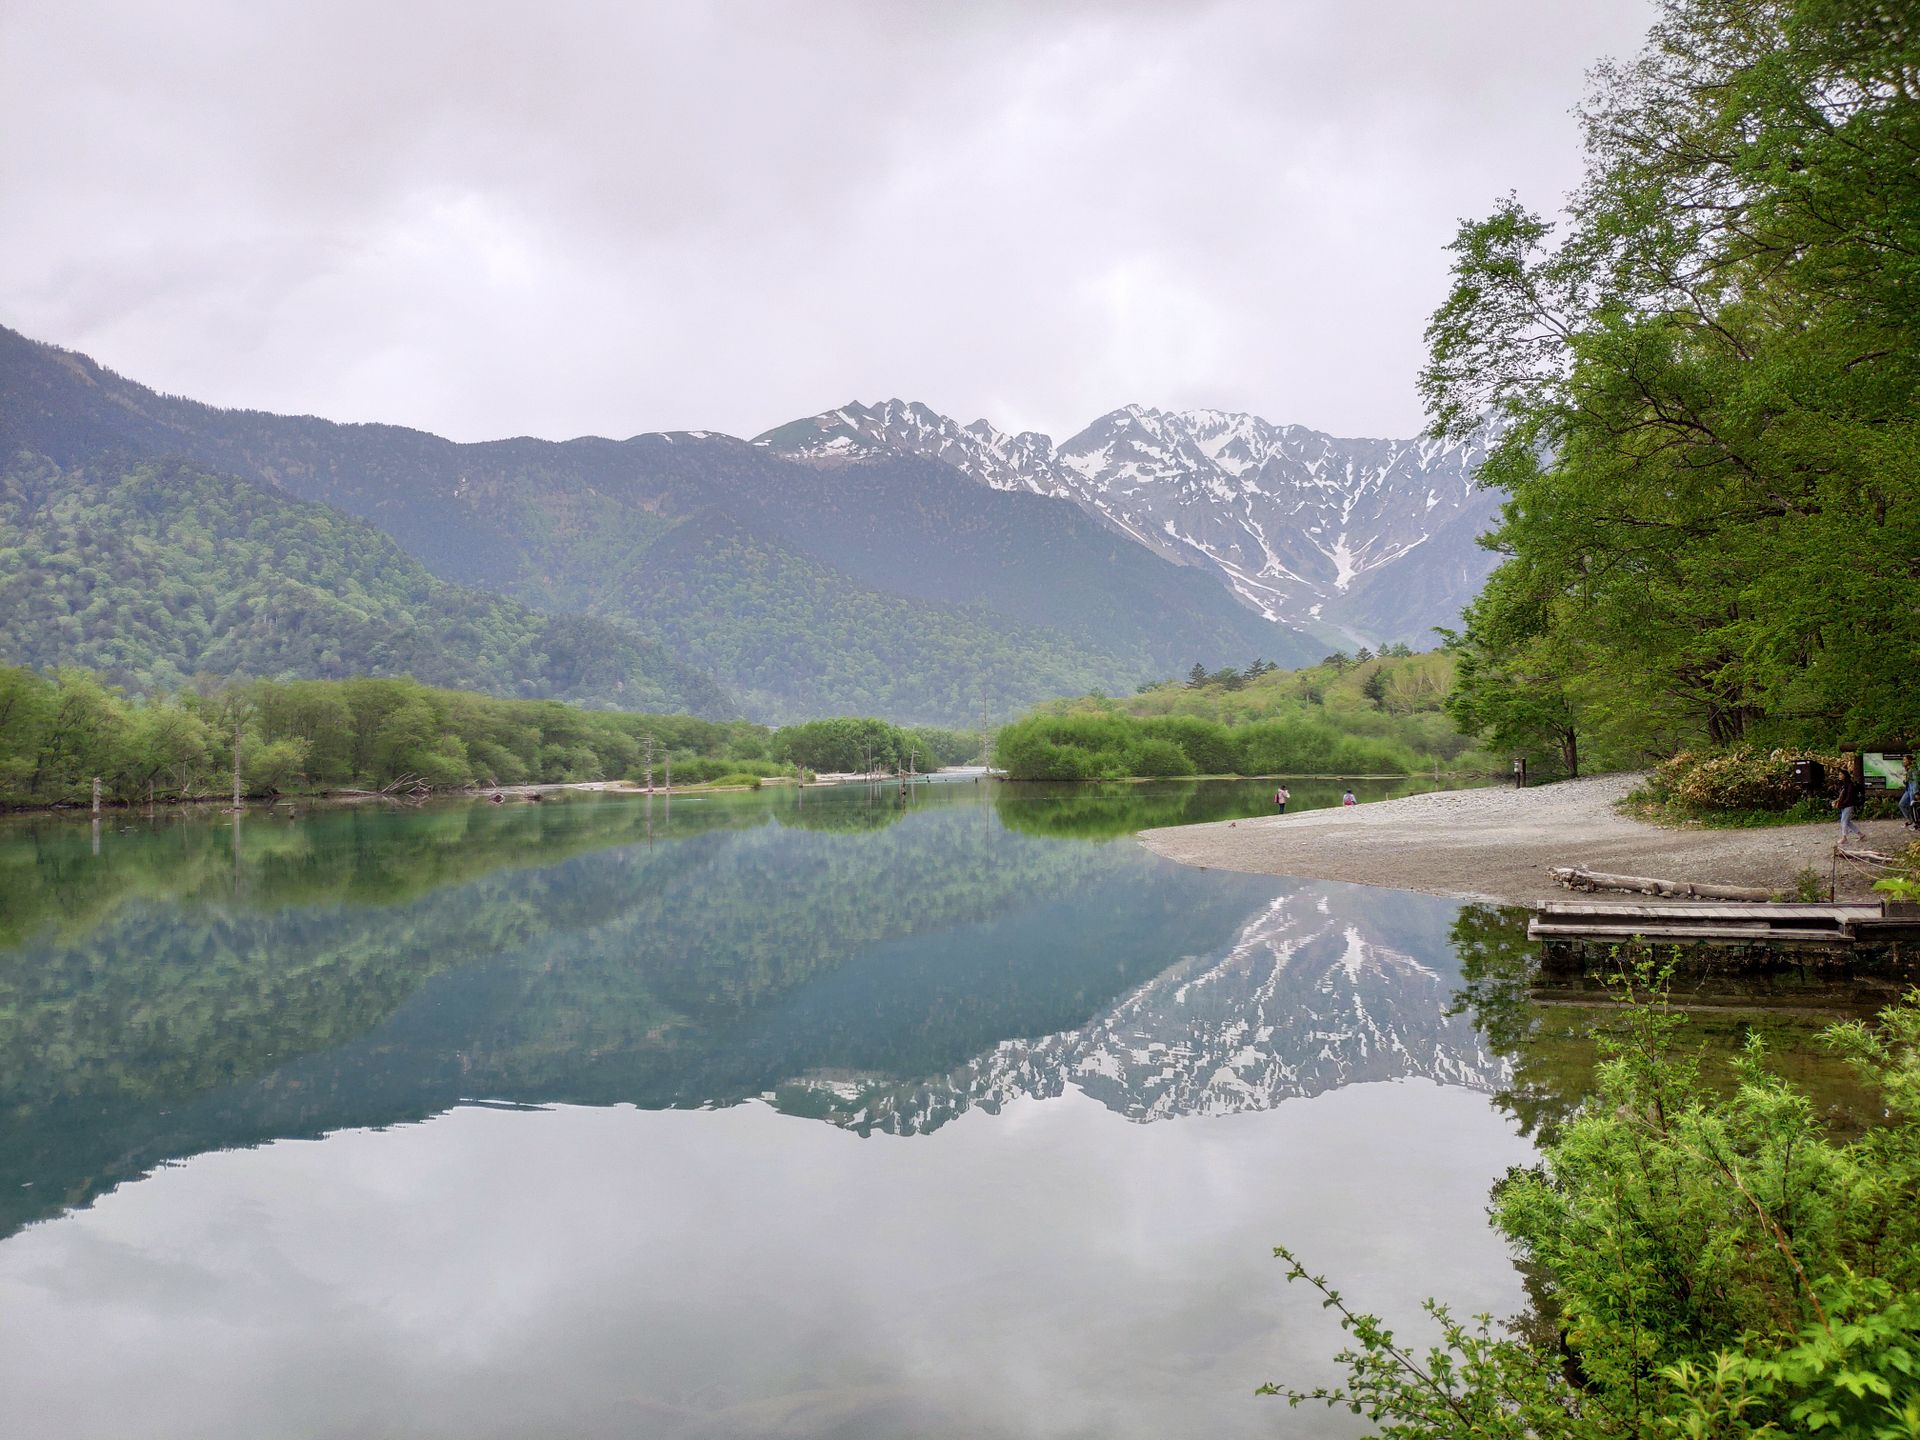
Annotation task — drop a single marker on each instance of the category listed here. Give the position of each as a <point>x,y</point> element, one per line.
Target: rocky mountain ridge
<point>1366,541</point>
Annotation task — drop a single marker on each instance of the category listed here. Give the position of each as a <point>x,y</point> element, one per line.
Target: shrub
<point>1153,756</point>
<point>1207,744</point>
<point>710,770</point>
<point>1738,779</point>
<point>1708,1265</point>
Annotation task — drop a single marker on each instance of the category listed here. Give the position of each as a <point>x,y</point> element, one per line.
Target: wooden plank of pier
<point>1706,923</point>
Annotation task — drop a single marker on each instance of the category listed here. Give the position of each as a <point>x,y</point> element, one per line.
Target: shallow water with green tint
<point>799,1113</point>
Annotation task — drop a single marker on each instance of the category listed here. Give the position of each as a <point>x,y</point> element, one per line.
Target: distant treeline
<point>59,731</point>
<point>852,743</point>
<point>1359,714</point>
<point>1112,747</point>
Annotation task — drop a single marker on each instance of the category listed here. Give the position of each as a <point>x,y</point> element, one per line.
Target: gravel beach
<point>1499,843</point>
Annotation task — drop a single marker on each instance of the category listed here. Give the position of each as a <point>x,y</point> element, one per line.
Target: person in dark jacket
<point>1846,801</point>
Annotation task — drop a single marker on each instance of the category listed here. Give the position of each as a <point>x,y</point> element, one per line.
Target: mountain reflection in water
<point>194,985</point>
<point>502,1024</point>
<point>1327,985</point>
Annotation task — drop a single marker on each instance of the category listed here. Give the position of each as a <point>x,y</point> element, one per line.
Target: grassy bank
<point>1347,717</point>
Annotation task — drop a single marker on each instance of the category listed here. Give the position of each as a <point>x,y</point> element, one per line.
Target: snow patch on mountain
<point>1362,540</point>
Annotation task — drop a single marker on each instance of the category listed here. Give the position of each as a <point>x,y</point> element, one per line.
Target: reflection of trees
<point>853,808</point>
<point>1097,811</point>
<point>51,877</point>
<point>173,1014</point>
<point>1549,1026</point>
<point>1552,1061</point>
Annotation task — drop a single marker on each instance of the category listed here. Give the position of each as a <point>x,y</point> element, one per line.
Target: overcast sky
<point>559,219</point>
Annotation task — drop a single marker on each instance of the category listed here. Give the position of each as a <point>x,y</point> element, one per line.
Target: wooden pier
<point>1765,932</point>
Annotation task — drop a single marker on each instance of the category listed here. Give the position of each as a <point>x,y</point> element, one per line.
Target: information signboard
<point>1883,771</point>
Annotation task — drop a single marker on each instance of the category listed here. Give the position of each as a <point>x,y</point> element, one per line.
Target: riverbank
<point>1498,844</point>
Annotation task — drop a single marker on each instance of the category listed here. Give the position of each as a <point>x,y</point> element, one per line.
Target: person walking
<point>1846,801</point>
<point>1280,798</point>
<point>1910,795</point>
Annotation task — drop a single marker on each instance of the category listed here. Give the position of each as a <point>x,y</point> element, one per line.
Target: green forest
<point>59,731</point>
<point>1703,386</point>
<point>1702,390</point>
<point>1352,714</point>
<point>153,572</point>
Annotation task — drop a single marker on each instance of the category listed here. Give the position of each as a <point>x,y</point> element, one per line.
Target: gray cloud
<point>487,219</point>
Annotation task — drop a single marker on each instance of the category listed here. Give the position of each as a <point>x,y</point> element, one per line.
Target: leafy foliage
<point>846,744</point>
<point>1715,1266</point>
<point>1380,716</point>
<point>1703,392</point>
<point>1115,746</point>
<point>1737,779</point>
<point>58,732</point>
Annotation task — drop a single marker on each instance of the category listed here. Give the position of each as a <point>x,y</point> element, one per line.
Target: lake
<point>796,1114</point>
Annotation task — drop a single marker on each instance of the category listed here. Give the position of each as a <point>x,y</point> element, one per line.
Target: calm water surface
<point>794,1115</point>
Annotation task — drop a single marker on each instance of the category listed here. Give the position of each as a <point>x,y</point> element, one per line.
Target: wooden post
<point>666,759</point>
<point>236,769</point>
<point>96,794</point>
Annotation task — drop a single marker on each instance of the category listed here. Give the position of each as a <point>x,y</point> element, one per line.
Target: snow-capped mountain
<point>1364,541</point>
<point>899,427</point>
<point>1310,996</point>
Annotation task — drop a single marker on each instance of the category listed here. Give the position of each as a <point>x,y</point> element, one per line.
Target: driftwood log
<point>1863,856</point>
<point>1578,877</point>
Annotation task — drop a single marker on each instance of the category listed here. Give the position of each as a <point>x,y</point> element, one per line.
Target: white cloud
<point>481,219</point>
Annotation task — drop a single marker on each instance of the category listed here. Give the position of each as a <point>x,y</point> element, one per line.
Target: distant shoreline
<point>345,798</point>
<point>1498,844</point>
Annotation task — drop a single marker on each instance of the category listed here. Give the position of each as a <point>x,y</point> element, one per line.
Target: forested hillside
<point>798,639</point>
<point>901,585</point>
<point>153,571</point>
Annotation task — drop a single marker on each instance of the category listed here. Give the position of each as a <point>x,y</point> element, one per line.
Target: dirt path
<point>1499,843</point>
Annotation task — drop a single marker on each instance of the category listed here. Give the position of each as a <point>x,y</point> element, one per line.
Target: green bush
<point>1738,779</point>
<point>1705,1265</point>
<point>1151,755</point>
<point>1207,744</point>
<point>711,770</point>
<point>1090,745</point>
